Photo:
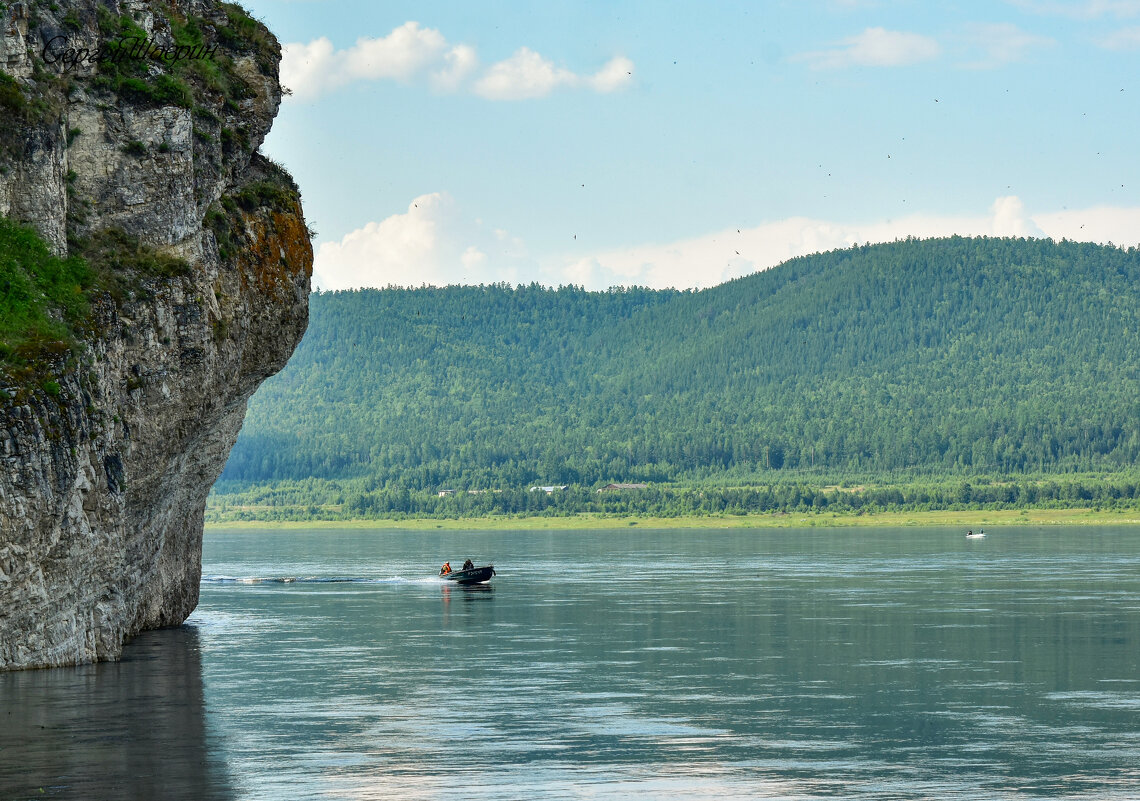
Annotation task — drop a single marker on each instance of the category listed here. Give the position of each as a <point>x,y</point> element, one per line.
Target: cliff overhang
<point>155,269</point>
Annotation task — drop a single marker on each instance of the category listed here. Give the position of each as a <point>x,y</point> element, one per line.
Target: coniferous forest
<point>945,359</point>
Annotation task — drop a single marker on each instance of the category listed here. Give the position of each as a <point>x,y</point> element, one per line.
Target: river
<point>775,663</point>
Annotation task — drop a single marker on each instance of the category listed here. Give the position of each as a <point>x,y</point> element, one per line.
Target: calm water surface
<point>791,664</point>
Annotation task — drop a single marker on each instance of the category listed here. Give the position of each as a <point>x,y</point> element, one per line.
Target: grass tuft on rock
<point>42,297</point>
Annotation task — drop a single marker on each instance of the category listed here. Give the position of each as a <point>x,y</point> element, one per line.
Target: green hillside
<point>951,356</point>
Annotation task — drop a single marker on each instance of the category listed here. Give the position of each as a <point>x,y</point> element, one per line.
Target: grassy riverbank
<point>963,518</point>
<point>795,498</point>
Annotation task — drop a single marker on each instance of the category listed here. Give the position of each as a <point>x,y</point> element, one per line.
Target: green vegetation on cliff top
<point>45,301</point>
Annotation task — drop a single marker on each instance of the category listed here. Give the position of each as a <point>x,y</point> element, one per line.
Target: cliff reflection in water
<point>133,729</point>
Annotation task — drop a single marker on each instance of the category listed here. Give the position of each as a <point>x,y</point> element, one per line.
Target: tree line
<point>317,499</point>
<point>954,356</point>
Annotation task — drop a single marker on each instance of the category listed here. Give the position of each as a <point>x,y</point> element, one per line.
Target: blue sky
<point>683,144</point>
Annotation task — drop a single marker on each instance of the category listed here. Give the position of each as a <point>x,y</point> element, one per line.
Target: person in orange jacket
<point>443,571</point>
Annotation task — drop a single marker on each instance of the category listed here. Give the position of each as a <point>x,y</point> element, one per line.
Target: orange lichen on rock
<point>277,251</point>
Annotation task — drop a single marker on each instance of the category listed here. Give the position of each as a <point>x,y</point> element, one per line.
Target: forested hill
<point>953,354</point>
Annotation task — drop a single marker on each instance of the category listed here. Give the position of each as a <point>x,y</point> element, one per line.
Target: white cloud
<point>308,69</point>
<point>404,52</point>
<point>473,259</point>
<point>1123,39</point>
<point>411,52</point>
<point>1002,43</point>
<point>432,243</point>
<point>710,260</point>
<point>1103,224</point>
<point>876,47</point>
<point>458,64</point>
<point>527,75</point>
<point>616,74</point>
<point>316,67</point>
<point>435,243</point>
<point>1008,215</point>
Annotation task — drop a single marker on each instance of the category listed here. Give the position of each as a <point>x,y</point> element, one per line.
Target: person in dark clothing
<point>468,565</point>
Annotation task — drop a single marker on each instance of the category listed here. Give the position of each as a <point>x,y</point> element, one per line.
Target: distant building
<point>615,487</point>
<point>445,493</point>
<point>549,489</point>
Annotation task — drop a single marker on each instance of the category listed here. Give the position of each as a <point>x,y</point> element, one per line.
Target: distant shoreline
<point>965,519</point>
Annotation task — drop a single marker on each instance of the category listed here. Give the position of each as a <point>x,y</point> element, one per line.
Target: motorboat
<point>472,575</point>
<point>970,535</point>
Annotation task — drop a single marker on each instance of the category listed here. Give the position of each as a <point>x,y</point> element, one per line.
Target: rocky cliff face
<point>145,163</point>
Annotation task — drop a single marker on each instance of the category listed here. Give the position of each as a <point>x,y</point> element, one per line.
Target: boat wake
<point>317,580</point>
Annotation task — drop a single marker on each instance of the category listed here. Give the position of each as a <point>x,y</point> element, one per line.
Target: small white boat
<point>970,535</point>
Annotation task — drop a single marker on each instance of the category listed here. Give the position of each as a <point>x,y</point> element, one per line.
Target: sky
<point>671,144</point>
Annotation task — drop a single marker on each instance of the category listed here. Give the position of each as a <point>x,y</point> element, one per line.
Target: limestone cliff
<point>141,160</point>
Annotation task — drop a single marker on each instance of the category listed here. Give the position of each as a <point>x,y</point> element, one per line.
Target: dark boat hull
<point>474,575</point>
